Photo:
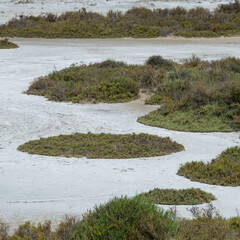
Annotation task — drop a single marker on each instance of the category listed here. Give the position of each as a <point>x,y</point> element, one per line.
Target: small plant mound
<point>102,146</point>
<point>6,44</point>
<point>223,170</point>
<point>191,196</point>
<point>125,218</point>
<point>101,82</point>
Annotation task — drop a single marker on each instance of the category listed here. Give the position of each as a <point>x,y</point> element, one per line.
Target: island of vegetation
<point>196,96</point>
<point>132,219</point>
<point>112,146</point>
<point>6,44</point>
<point>137,23</point>
<point>223,170</point>
<point>190,196</point>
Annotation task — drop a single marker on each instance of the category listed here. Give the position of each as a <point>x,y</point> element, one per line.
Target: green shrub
<point>207,224</point>
<point>223,170</point>
<point>158,61</point>
<point>189,196</point>
<point>125,218</point>
<point>234,223</point>
<point>6,44</point>
<point>137,22</point>
<point>198,96</point>
<point>102,146</point>
<point>28,231</point>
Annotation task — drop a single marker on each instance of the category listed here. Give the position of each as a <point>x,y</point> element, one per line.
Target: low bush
<point>137,23</point>
<point>102,146</point>
<point>6,44</point>
<point>132,218</point>
<point>189,196</point>
<point>198,96</point>
<point>125,218</point>
<point>223,170</point>
<point>108,81</point>
<point>207,224</point>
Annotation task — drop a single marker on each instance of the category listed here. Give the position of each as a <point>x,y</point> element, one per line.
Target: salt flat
<point>38,187</point>
<point>12,8</point>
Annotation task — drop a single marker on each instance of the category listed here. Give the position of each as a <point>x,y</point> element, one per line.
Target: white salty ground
<point>12,8</point>
<point>38,187</point>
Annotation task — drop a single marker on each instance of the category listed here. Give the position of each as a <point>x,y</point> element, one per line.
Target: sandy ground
<point>12,8</point>
<point>38,187</point>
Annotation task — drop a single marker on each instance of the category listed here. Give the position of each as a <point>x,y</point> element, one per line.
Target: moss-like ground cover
<point>6,44</point>
<point>137,22</point>
<point>102,146</point>
<point>191,196</point>
<point>223,170</point>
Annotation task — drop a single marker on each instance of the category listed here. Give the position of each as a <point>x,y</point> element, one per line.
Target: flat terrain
<point>38,187</point>
<point>12,8</point>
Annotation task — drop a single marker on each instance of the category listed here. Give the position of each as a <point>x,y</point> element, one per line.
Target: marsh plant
<point>197,96</point>
<point>133,219</point>
<point>223,170</point>
<point>6,44</point>
<point>102,146</point>
<point>190,196</point>
<point>137,23</point>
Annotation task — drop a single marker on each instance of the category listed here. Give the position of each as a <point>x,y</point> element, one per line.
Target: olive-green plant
<point>6,44</point>
<point>223,170</point>
<point>102,146</point>
<point>190,196</point>
<point>137,23</point>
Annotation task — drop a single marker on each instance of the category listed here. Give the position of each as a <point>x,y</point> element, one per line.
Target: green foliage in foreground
<point>124,218</point>
<point>102,146</point>
<point>223,170</point>
<point>191,196</point>
<point>137,23</point>
<point>132,218</point>
<point>6,44</point>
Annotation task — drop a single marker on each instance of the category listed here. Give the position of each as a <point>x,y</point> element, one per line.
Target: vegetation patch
<point>191,196</point>
<point>137,23</point>
<point>207,224</point>
<point>133,219</point>
<point>102,146</point>
<point>223,170</point>
<point>108,81</point>
<point>6,44</point>
<point>125,218</point>
<point>198,96</point>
